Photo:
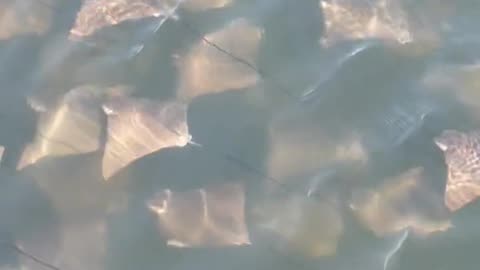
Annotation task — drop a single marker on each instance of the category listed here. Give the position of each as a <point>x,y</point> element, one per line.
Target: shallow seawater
<point>235,134</point>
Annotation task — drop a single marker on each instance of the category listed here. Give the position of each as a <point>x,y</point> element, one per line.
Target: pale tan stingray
<point>298,144</point>
<point>96,14</point>
<point>212,216</point>
<point>351,19</point>
<point>71,127</point>
<point>401,202</point>
<point>208,68</point>
<point>19,17</point>
<point>300,225</point>
<point>138,127</point>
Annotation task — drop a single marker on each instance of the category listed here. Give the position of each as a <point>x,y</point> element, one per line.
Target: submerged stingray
<point>462,153</point>
<point>138,127</point>
<point>304,218</point>
<point>302,141</point>
<point>19,17</point>
<point>402,202</point>
<point>335,121</point>
<point>27,220</point>
<point>96,14</point>
<point>300,225</point>
<point>461,81</point>
<point>207,69</point>
<point>296,149</point>
<point>72,127</point>
<point>346,19</point>
<point>207,217</point>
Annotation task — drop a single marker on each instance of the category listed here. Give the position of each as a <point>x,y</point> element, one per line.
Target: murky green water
<point>312,125</point>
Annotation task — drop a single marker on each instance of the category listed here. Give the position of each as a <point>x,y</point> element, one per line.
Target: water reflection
<point>289,223</point>
<point>349,176</point>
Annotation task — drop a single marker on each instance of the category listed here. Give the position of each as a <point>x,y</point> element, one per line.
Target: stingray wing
<point>462,188</point>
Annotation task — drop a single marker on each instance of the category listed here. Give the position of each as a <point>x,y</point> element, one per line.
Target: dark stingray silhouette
<point>18,59</point>
<point>20,120</point>
<point>98,14</point>
<point>28,220</point>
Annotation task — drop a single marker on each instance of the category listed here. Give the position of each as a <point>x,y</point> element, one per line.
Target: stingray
<point>347,19</point>
<point>21,119</point>
<point>404,201</point>
<point>96,14</point>
<point>20,17</point>
<point>73,126</point>
<point>138,127</point>
<point>461,151</point>
<point>211,216</point>
<point>458,81</point>
<point>213,55</point>
<point>302,141</point>
<point>337,110</point>
<point>303,218</point>
<point>203,5</point>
